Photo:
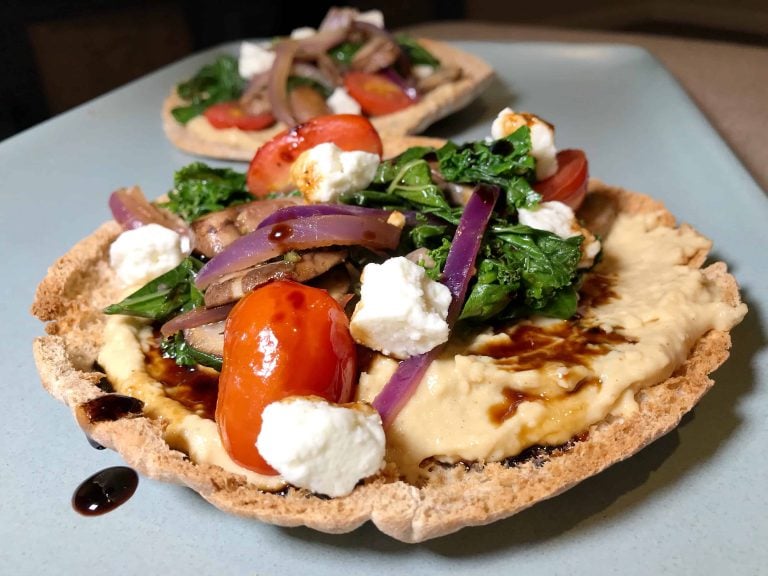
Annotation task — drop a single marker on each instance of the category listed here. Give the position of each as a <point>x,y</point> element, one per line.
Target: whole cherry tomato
<point>283,339</point>
<point>270,169</point>
<point>376,94</point>
<point>232,115</point>
<point>569,184</point>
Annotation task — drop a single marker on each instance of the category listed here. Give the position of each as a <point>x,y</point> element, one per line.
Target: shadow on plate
<point>615,492</point>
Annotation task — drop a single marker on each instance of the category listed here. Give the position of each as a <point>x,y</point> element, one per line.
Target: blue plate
<point>694,502</point>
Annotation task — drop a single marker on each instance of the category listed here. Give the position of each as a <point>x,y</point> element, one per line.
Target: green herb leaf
<point>506,162</point>
<point>178,349</point>
<point>344,53</point>
<point>200,189</point>
<point>416,52</point>
<point>547,263</point>
<point>425,235</point>
<point>165,296</point>
<point>219,81</point>
<point>290,194</point>
<point>413,183</point>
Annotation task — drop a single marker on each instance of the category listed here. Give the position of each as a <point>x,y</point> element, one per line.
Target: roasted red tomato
<point>284,339</point>
<point>232,115</point>
<point>271,165</point>
<point>376,94</point>
<point>569,184</point>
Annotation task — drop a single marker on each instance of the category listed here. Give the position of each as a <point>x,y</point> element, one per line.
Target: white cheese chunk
<point>144,253</point>
<point>422,71</point>
<point>401,312</point>
<point>323,447</point>
<point>340,102</point>
<point>375,17</point>
<point>325,172</point>
<point>559,219</point>
<point>255,58</point>
<point>542,138</point>
<point>554,217</point>
<point>303,32</point>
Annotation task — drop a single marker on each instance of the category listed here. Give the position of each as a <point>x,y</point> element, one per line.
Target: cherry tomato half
<point>270,169</point>
<point>232,115</point>
<point>569,184</point>
<point>283,339</point>
<point>376,94</point>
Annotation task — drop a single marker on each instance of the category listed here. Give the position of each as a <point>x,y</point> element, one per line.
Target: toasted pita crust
<point>71,296</point>
<point>436,104</point>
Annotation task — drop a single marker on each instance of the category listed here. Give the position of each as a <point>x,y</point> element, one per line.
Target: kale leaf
<point>200,189</point>
<point>405,183</point>
<point>219,81</point>
<point>524,271</point>
<point>167,295</point>
<point>519,270</point>
<point>505,162</point>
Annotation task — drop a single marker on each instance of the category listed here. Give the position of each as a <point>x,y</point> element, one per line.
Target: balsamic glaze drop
<point>105,491</point>
<point>93,443</point>
<point>111,407</point>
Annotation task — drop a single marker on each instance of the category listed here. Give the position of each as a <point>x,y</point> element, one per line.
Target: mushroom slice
<point>214,231</point>
<point>208,338</point>
<point>237,285</point>
<point>233,287</point>
<point>250,215</point>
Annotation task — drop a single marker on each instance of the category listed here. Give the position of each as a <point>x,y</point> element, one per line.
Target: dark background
<point>56,54</point>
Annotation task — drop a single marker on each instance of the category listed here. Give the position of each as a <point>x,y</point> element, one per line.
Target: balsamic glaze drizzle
<point>105,491</point>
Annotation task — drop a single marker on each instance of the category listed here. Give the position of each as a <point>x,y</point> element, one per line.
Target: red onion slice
<point>459,266</point>
<point>299,234</point>
<point>405,86</point>
<point>403,62</point>
<point>195,317</point>
<point>458,271</point>
<point>401,386</point>
<point>131,209</point>
<point>322,41</point>
<point>337,18</point>
<point>304,211</point>
<point>285,52</point>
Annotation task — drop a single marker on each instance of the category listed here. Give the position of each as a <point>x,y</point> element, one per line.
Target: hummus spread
<point>200,127</point>
<point>474,406</point>
<point>494,394</point>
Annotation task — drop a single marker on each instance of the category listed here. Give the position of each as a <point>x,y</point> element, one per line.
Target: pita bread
<point>81,283</point>
<point>436,104</point>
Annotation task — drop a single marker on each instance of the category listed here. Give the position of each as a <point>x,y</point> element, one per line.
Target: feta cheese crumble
<point>375,17</point>
<point>303,32</point>
<point>340,102</point>
<point>542,138</point>
<point>144,253</point>
<point>401,312</point>
<point>559,219</point>
<point>325,172</point>
<point>554,217</point>
<point>255,58</point>
<point>323,447</point>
